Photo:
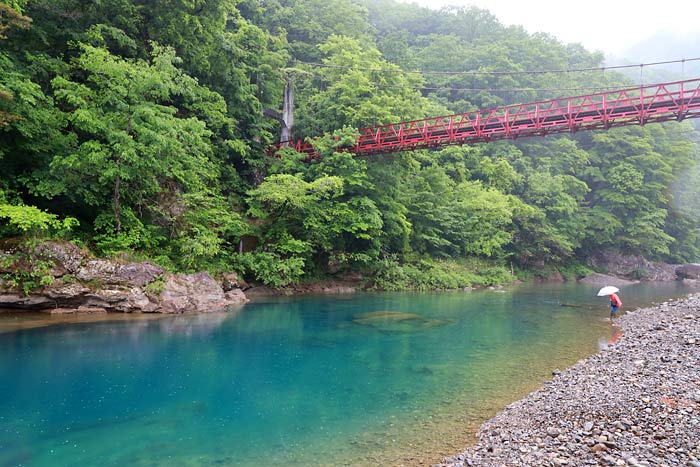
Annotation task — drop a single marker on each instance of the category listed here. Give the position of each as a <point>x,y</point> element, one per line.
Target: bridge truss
<point>639,105</point>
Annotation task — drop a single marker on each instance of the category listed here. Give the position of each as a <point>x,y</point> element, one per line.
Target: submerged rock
<point>378,316</point>
<point>395,321</point>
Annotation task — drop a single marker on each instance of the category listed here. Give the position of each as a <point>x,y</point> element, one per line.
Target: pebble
<point>636,404</point>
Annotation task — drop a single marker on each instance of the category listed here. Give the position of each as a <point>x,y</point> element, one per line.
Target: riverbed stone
<point>598,447</point>
<point>637,403</point>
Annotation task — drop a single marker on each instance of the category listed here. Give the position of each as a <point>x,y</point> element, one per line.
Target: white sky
<point>608,25</point>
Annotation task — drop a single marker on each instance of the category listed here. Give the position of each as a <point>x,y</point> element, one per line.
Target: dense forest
<point>141,129</point>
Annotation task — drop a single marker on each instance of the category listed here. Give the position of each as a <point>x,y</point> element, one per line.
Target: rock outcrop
<point>633,267</point>
<point>80,283</point>
<point>183,292</point>
<point>110,272</point>
<point>624,270</point>
<point>689,271</point>
<point>605,279</point>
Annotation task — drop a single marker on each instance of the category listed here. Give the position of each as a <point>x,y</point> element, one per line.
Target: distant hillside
<point>662,46</point>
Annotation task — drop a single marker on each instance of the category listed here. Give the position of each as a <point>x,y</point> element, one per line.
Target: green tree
<point>628,193</point>
<point>309,23</point>
<point>358,97</point>
<point>137,156</point>
<point>11,18</point>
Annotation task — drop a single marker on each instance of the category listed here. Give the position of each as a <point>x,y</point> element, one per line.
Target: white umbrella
<point>607,290</point>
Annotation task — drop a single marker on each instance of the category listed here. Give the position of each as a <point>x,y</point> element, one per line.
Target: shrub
<point>32,221</point>
<point>27,268</point>
<point>427,274</point>
<point>269,267</point>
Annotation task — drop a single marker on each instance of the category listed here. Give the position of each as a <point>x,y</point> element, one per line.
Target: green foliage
<point>28,268</point>
<point>11,18</point>
<point>629,193</point>
<point>32,221</point>
<point>355,97</point>
<point>156,286</point>
<point>270,267</point>
<point>308,23</point>
<point>133,235</point>
<point>143,121</point>
<point>574,270</point>
<point>30,128</point>
<point>204,229</point>
<point>426,274</point>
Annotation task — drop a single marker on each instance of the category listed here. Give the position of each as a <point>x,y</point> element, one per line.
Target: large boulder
<point>121,299</point>
<point>181,293</point>
<point>197,292</point>
<point>63,257</point>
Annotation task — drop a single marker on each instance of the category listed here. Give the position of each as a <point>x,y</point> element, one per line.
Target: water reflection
<point>185,324</point>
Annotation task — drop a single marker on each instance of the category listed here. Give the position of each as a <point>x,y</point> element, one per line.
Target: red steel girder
<point>639,105</point>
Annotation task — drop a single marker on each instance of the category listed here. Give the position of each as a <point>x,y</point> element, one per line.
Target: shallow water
<point>376,379</point>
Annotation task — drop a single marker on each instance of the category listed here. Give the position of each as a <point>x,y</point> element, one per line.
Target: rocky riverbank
<point>635,403</point>
<point>67,279</point>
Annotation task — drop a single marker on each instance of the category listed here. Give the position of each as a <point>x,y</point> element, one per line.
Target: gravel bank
<point>635,403</point>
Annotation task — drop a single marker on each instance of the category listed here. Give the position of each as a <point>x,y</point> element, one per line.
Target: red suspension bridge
<point>638,105</point>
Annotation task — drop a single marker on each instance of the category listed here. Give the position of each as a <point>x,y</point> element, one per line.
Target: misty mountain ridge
<point>661,46</point>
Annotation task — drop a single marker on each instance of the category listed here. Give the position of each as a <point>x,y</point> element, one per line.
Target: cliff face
<point>623,270</point>
<point>77,282</point>
<point>633,267</point>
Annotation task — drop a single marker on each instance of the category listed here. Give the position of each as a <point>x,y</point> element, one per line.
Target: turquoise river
<point>352,380</point>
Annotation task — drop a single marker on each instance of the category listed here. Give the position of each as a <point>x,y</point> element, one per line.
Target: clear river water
<point>354,380</point>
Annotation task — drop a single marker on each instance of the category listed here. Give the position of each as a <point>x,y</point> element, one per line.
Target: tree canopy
<point>139,128</point>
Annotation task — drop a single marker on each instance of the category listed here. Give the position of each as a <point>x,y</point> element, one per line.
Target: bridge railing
<point>630,106</point>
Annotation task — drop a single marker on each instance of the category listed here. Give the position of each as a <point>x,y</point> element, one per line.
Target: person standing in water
<point>615,303</point>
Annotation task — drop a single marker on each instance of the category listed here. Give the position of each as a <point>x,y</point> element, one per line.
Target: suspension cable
<point>519,72</point>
